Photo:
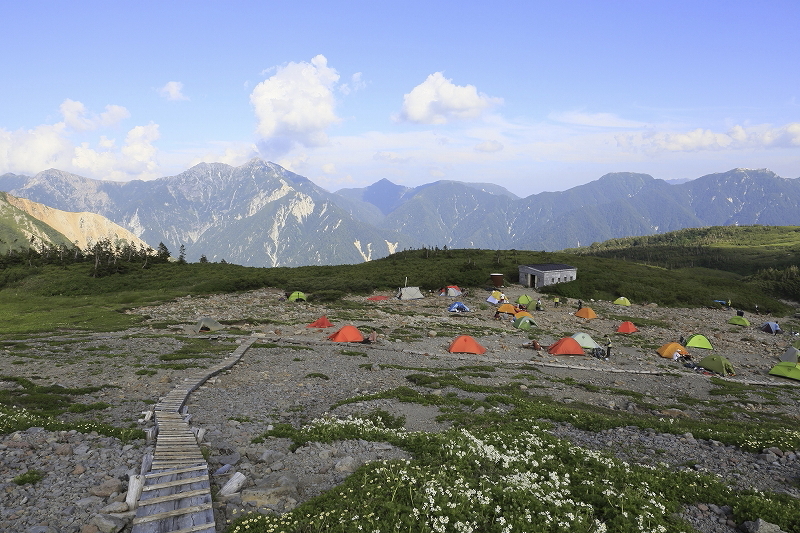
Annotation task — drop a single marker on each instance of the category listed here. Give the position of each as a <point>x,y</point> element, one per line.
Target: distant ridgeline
<point>260,214</point>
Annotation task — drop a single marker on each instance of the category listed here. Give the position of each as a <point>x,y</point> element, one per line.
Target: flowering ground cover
<point>502,472</point>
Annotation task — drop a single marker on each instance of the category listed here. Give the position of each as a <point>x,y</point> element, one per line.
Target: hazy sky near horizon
<point>534,96</point>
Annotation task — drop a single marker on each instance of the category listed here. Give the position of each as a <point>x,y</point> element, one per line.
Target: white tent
<point>585,340</point>
<point>409,293</point>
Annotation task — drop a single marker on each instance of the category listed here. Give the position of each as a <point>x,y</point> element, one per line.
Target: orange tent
<point>465,344</point>
<point>627,327</point>
<point>669,349</point>
<point>522,314</point>
<point>586,312</point>
<point>347,334</point>
<point>566,346</point>
<point>507,308</point>
<point>377,298</point>
<point>321,322</point>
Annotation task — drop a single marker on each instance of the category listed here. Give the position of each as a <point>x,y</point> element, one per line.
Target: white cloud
<point>67,146</point>
<point>137,157</point>
<point>438,101</point>
<point>296,105</point>
<point>356,84</point>
<point>173,90</point>
<point>489,146</point>
<point>31,151</point>
<point>597,120</point>
<point>736,138</point>
<point>389,157</point>
<point>329,168</point>
<point>77,118</point>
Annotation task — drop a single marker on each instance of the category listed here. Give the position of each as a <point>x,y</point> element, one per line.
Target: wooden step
<point>176,483</point>
<point>176,496</point>
<point>171,514</point>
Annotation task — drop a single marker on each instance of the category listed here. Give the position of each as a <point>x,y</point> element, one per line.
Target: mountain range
<point>260,214</point>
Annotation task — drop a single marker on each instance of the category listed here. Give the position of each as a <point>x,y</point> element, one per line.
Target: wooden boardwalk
<point>175,486</point>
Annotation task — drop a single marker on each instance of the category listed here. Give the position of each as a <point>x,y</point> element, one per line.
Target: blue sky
<point>533,96</point>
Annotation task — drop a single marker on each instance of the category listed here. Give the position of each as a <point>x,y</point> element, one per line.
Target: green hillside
<point>45,294</point>
<point>764,256</point>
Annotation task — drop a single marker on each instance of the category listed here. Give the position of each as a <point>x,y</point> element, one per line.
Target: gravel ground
<point>276,382</point>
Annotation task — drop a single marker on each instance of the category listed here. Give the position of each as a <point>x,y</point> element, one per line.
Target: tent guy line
<point>494,359</point>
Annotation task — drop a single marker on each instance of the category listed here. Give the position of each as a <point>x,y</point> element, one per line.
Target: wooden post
<point>147,462</point>
<point>135,484</point>
<point>234,484</point>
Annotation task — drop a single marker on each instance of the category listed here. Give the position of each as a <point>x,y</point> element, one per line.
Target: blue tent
<point>457,307</point>
<point>771,327</point>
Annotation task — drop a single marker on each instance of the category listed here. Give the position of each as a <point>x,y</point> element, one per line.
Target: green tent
<point>297,296</point>
<point>739,321</point>
<point>718,364</point>
<point>524,322</point>
<point>623,301</point>
<point>524,299</point>
<point>698,341</point>
<point>585,340</point>
<point>787,370</point>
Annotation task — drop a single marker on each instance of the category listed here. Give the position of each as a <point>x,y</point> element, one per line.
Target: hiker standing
<point>538,304</point>
<point>580,304</point>
<point>556,301</point>
<point>608,347</point>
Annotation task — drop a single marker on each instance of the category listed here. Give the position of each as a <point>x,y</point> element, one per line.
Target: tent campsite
<point>771,327</point>
<point>524,299</point>
<point>623,301</point>
<point>565,346</point>
<point>718,364</point>
<point>522,314</point>
<point>450,290</point>
<point>668,350</point>
<point>205,324</point>
<point>409,293</point>
<point>348,333</point>
<point>466,344</point>
<point>791,355</point>
<point>739,321</point>
<point>458,307</point>
<point>524,323</point>
<point>586,312</point>
<point>507,308</point>
<point>585,340</point>
<point>321,322</point>
<point>698,341</point>
<point>627,327</point>
<point>787,370</point>
<point>297,296</point>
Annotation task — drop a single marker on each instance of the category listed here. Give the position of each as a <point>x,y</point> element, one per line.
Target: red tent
<point>466,344</point>
<point>377,298</point>
<point>347,334</point>
<point>321,322</point>
<point>627,327</point>
<point>566,346</point>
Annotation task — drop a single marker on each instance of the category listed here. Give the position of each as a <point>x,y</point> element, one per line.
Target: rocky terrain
<point>294,374</point>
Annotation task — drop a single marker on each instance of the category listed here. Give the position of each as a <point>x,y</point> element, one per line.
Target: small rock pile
<point>83,487</point>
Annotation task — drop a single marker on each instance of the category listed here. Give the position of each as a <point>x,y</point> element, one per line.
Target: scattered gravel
<point>278,381</point>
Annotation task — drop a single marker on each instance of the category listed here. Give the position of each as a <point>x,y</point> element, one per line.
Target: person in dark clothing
<point>608,347</point>
<point>580,305</point>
